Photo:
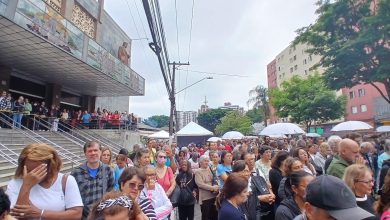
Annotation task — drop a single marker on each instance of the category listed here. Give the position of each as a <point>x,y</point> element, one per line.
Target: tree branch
<point>381,92</point>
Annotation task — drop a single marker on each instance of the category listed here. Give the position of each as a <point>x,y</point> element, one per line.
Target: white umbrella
<point>312,135</point>
<point>277,136</point>
<point>282,128</point>
<point>232,135</point>
<point>385,128</point>
<point>214,139</point>
<point>351,126</point>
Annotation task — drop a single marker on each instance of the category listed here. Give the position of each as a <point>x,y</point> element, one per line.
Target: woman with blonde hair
<point>359,179</point>
<point>106,157</point>
<point>115,205</point>
<point>39,190</point>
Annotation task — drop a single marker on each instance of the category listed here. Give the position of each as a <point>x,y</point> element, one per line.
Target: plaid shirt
<point>3,103</point>
<point>91,189</point>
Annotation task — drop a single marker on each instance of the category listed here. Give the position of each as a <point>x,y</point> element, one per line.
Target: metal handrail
<point>3,119</point>
<point>7,157</point>
<point>62,133</point>
<point>94,137</point>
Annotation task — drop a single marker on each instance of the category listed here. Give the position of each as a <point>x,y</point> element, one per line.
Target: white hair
<point>334,140</point>
<point>203,157</point>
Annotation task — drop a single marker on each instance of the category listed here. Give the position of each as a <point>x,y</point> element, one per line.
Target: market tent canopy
<point>160,135</point>
<point>193,129</point>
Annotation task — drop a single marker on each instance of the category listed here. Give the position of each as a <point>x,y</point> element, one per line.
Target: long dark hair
<point>223,154</point>
<point>278,159</point>
<point>234,185</point>
<point>295,179</point>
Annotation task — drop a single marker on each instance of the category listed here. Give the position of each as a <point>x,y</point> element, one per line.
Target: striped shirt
<point>147,208</point>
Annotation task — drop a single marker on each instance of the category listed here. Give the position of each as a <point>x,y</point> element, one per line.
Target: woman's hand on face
<point>25,211</point>
<point>35,176</point>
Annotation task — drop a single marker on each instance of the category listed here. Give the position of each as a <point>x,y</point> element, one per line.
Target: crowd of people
<point>23,112</point>
<point>284,179</point>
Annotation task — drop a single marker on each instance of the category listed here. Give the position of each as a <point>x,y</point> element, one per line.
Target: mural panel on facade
<point>114,40</point>
<point>43,20</point>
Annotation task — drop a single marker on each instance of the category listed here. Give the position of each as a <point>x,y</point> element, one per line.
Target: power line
<point>132,17</point>
<point>139,16</point>
<point>192,18</point>
<point>143,47</point>
<point>177,33</point>
<point>220,74</point>
<point>189,49</point>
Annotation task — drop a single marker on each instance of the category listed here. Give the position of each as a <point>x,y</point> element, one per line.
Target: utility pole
<point>173,126</point>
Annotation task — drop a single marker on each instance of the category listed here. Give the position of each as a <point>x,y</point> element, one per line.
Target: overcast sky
<point>228,37</point>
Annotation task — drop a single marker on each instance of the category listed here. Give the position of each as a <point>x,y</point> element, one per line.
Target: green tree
<point>353,39</point>
<point>234,121</point>
<point>211,118</point>
<point>157,121</point>
<point>307,101</point>
<point>259,99</point>
<point>256,115</point>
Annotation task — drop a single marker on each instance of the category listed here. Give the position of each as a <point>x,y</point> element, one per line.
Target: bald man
<point>349,152</point>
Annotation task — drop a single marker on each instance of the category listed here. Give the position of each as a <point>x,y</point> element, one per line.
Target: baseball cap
<point>332,194</point>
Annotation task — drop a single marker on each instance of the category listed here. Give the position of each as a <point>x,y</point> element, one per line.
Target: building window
<point>361,92</point>
<point>354,110</point>
<point>291,70</point>
<point>304,61</point>
<point>305,72</point>
<point>351,95</point>
<point>295,57</point>
<point>363,108</point>
<point>83,21</point>
<point>55,4</point>
<point>279,68</point>
<point>295,67</point>
<point>310,58</point>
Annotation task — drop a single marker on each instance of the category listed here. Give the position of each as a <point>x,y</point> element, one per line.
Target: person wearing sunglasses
<point>131,182</point>
<point>359,179</point>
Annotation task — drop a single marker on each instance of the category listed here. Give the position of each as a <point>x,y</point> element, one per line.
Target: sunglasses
<point>136,186</point>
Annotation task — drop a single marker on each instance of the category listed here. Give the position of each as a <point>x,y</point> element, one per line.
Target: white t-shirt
<point>49,199</point>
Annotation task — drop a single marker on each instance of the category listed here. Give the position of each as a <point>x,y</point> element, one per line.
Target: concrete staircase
<point>15,141</point>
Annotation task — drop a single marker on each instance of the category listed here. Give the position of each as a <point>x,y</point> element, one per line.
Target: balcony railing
<point>41,19</point>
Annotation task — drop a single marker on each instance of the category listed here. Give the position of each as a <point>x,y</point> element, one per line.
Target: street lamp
<point>193,84</point>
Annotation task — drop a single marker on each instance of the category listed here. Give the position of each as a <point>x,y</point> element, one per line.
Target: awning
<point>38,58</point>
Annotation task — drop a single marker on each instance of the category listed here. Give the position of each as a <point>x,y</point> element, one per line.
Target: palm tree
<point>259,99</point>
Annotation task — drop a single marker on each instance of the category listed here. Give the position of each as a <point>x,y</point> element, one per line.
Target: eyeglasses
<point>364,181</point>
<point>136,186</point>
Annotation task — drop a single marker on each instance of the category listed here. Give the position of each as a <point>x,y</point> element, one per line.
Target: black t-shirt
<point>368,206</point>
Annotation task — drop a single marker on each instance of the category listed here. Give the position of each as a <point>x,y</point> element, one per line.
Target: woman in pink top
<point>382,206</point>
<point>165,175</point>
